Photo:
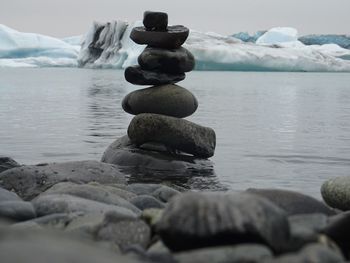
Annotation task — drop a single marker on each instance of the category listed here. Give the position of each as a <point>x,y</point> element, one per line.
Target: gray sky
<point>73,17</point>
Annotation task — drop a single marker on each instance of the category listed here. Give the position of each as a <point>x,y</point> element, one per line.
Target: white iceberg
<point>278,35</point>
<point>30,50</point>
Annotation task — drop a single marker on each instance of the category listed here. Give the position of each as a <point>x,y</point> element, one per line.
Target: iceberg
<point>278,35</point>
<point>108,45</point>
<point>341,40</point>
<point>245,37</point>
<point>30,50</point>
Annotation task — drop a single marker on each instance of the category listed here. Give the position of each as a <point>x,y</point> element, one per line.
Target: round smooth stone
<point>335,192</point>
<point>155,21</point>
<point>167,60</point>
<point>175,133</point>
<point>173,38</point>
<point>137,76</point>
<point>170,100</point>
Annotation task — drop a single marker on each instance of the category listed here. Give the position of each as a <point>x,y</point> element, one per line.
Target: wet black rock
<point>197,220</point>
<point>61,203</point>
<point>170,100</point>
<point>127,155</point>
<point>16,210</point>
<point>136,75</point>
<point>95,192</point>
<point>146,201</point>
<point>155,21</point>
<point>175,133</point>
<point>174,37</point>
<point>7,163</point>
<point>31,180</point>
<point>293,202</point>
<point>167,60</point>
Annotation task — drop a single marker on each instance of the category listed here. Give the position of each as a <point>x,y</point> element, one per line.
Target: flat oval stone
<point>137,76</point>
<point>173,38</point>
<point>155,21</point>
<point>167,60</point>
<point>170,100</point>
<point>175,133</point>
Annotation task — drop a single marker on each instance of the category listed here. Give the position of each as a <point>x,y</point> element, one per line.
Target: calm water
<point>286,130</point>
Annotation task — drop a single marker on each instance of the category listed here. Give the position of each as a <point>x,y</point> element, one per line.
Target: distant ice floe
<point>19,49</point>
<point>108,45</point>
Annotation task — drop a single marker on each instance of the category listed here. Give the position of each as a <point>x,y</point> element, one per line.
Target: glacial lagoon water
<point>279,130</point>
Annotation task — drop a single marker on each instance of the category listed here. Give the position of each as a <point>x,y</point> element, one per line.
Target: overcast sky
<point>73,17</point>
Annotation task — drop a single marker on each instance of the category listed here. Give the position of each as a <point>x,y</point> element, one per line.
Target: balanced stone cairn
<point>159,109</point>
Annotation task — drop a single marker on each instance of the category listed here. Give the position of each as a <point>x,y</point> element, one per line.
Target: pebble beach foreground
<point>88,212</point>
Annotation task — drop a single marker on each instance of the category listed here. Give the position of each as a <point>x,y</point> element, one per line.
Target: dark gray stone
<point>17,210</point>
<point>54,203</point>
<point>31,180</point>
<point>174,37</point>
<point>146,201</point>
<point>137,76</point>
<point>197,220</point>
<point>155,21</point>
<point>305,229</point>
<point>252,253</point>
<point>42,247</point>
<point>170,100</point>
<point>127,155</point>
<point>124,232</point>
<point>311,253</point>
<point>293,202</point>
<point>95,192</point>
<point>338,230</point>
<point>175,133</point>
<point>7,163</point>
<point>6,195</point>
<point>167,60</point>
<point>165,193</point>
<point>335,192</point>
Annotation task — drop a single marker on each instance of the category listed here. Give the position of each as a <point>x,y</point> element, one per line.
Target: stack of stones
<point>159,109</point>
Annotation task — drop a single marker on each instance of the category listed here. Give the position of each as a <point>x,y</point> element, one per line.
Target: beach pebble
<point>293,202</point>
<point>336,192</point>
<point>95,192</point>
<point>61,203</point>
<point>170,100</point>
<point>197,220</point>
<point>31,180</point>
<point>146,201</point>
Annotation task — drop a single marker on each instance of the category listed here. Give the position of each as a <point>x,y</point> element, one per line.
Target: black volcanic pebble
<point>167,60</point>
<point>197,220</point>
<point>136,75</point>
<point>170,100</point>
<point>173,38</point>
<point>155,21</point>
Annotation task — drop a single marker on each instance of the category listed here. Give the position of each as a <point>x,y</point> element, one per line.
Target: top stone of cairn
<point>155,21</point>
